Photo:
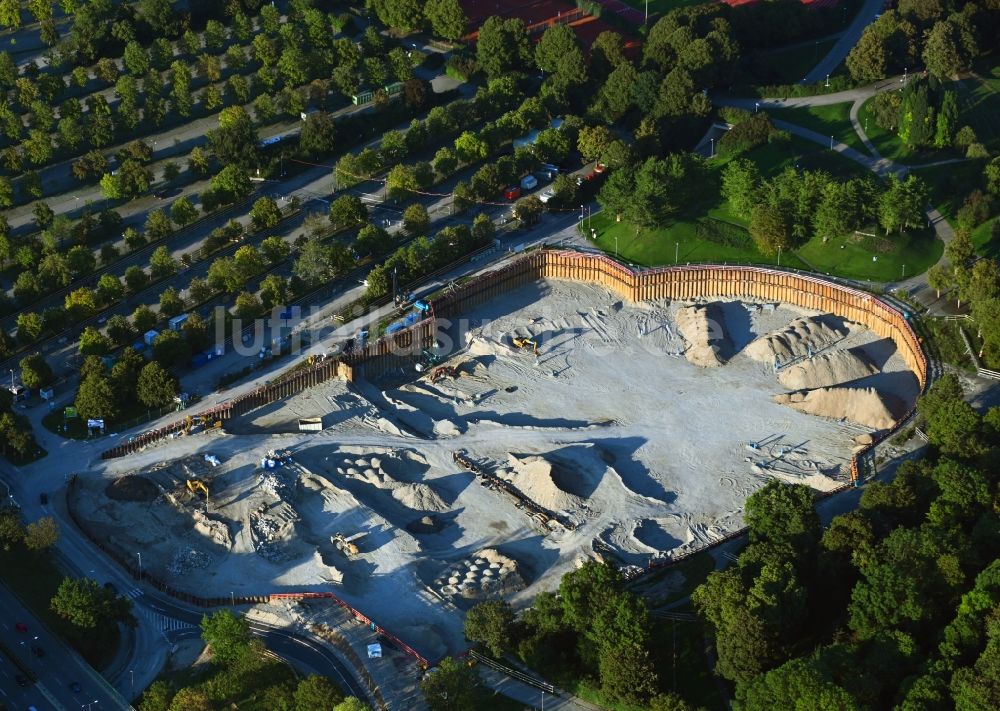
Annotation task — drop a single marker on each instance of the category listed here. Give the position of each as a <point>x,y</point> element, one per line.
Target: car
<point>547,195</point>
<point>21,627</point>
<point>75,687</point>
<point>43,498</point>
<point>38,651</point>
<point>22,680</point>
<point>599,168</point>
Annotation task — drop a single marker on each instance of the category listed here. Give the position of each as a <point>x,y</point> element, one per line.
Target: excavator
<point>191,420</point>
<point>346,544</point>
<point>196,485</point>
<point>525,343</point>
<point>444,371</point>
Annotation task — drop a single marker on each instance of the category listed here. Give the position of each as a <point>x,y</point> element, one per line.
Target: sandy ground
<point>612,443</point>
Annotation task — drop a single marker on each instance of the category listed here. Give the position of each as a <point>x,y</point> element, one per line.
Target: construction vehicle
<point>346,544</point>
<point>525,343</point>
<point>196,485</point>
<point>442,372</point>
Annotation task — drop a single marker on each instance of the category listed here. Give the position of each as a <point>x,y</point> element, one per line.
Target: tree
<point>447,18</point>
<point>171,303</point>
<point>274,250</point>
<point>223,275</point>
<point>235,141</point>
<point>155,387</point>
<point>627,673</point>
<point>943,53</point>
<point>35,372</point>
<point>273,291</point>
<point>783,513</point>
<point>227,634</point>
<point>158,225</point>
<point>415,219</point>
<point>182,212</point>
<point>93,342</point>
<point>528,209</point>
<point>404,15</point>
<point>557,41</point>
<point>947,121</point>
<point>29,327</point>
<point>798,684</point>
<point>453,686</point>
<point>491,623</point>
<point>95,399</point>
<point>770,228</point>
<point>156,697</point>
<point>318,133</point>
<point>10,14</point>
<point>593,141</point>
<point>161,263</point>
<point>503,46</point>
<point>348,211</point>
<point>868,60</point>
<point>741,186</point>
<point>41,534</point>
<point>88,605</point>
<point>192,698</point>
<point>264,213</point>
<point>248,262</point>
<point>316,692</point>
<point>471,148</point>
<point>232,182</point>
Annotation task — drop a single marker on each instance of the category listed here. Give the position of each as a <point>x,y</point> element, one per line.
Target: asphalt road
<point>826,66</point>
<point>55,671</point>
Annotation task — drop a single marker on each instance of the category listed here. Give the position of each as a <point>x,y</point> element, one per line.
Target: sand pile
<point>701,326</point>
<point>799,338</point>
<point>863,406</point>
<point>413,495</point>
<point>535,477</point>
<point>488,572</point>
<point>213,529</point>
<point>826,369</point>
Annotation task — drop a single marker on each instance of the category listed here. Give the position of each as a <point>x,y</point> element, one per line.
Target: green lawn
<point>888,143</point>
<point>833,120</point>
<point>34,578</point>
<point>949,184</point>
<point>680,242</point>
<point>979,104</point>
<point>789,65</point>
<point>897,255</point>
<point>982,237</point>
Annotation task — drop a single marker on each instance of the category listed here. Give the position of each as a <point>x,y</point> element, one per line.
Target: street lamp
<point>131,676</point>
<point>677,251</point>
<point>779,255</point>
<point>831,143</point>
<point>12,380</point>
<point>827,81</point>
<point>232,598</point>
<point>712,155</point>
<point>616,246</point>
<point>756,106</point>
<point>140,565</point>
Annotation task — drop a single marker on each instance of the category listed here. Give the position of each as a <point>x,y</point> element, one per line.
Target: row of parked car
<point>547,172</point>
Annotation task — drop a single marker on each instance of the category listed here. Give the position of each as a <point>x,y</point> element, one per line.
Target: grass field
<point>850,256</point>
<point>791,64</point>
<point>949,184</point>
<point>833,120</point>
<point>979,104</point>
<point>982,237</point>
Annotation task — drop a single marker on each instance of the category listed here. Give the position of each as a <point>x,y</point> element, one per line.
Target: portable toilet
<point>529,182</point>
<point>177,322</point>
<point>150,336</point>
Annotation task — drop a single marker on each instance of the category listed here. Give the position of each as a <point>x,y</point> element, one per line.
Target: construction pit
<point>634,433</point>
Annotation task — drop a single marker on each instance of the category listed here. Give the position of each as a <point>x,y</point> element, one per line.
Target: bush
<point>753,132</point>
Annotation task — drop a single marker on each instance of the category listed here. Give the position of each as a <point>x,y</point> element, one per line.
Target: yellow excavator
<point>525,343</point>
<point>346,544</point>
<point>196,485</point>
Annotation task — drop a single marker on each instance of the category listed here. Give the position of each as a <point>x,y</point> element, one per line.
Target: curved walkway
<point>916,286</point>
<point>826,66</point>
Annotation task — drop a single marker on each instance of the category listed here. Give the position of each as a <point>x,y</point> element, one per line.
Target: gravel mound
<point>797,339</point>
<point>701,326</point>
<point>863,406</point>
<point>826,369</point>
